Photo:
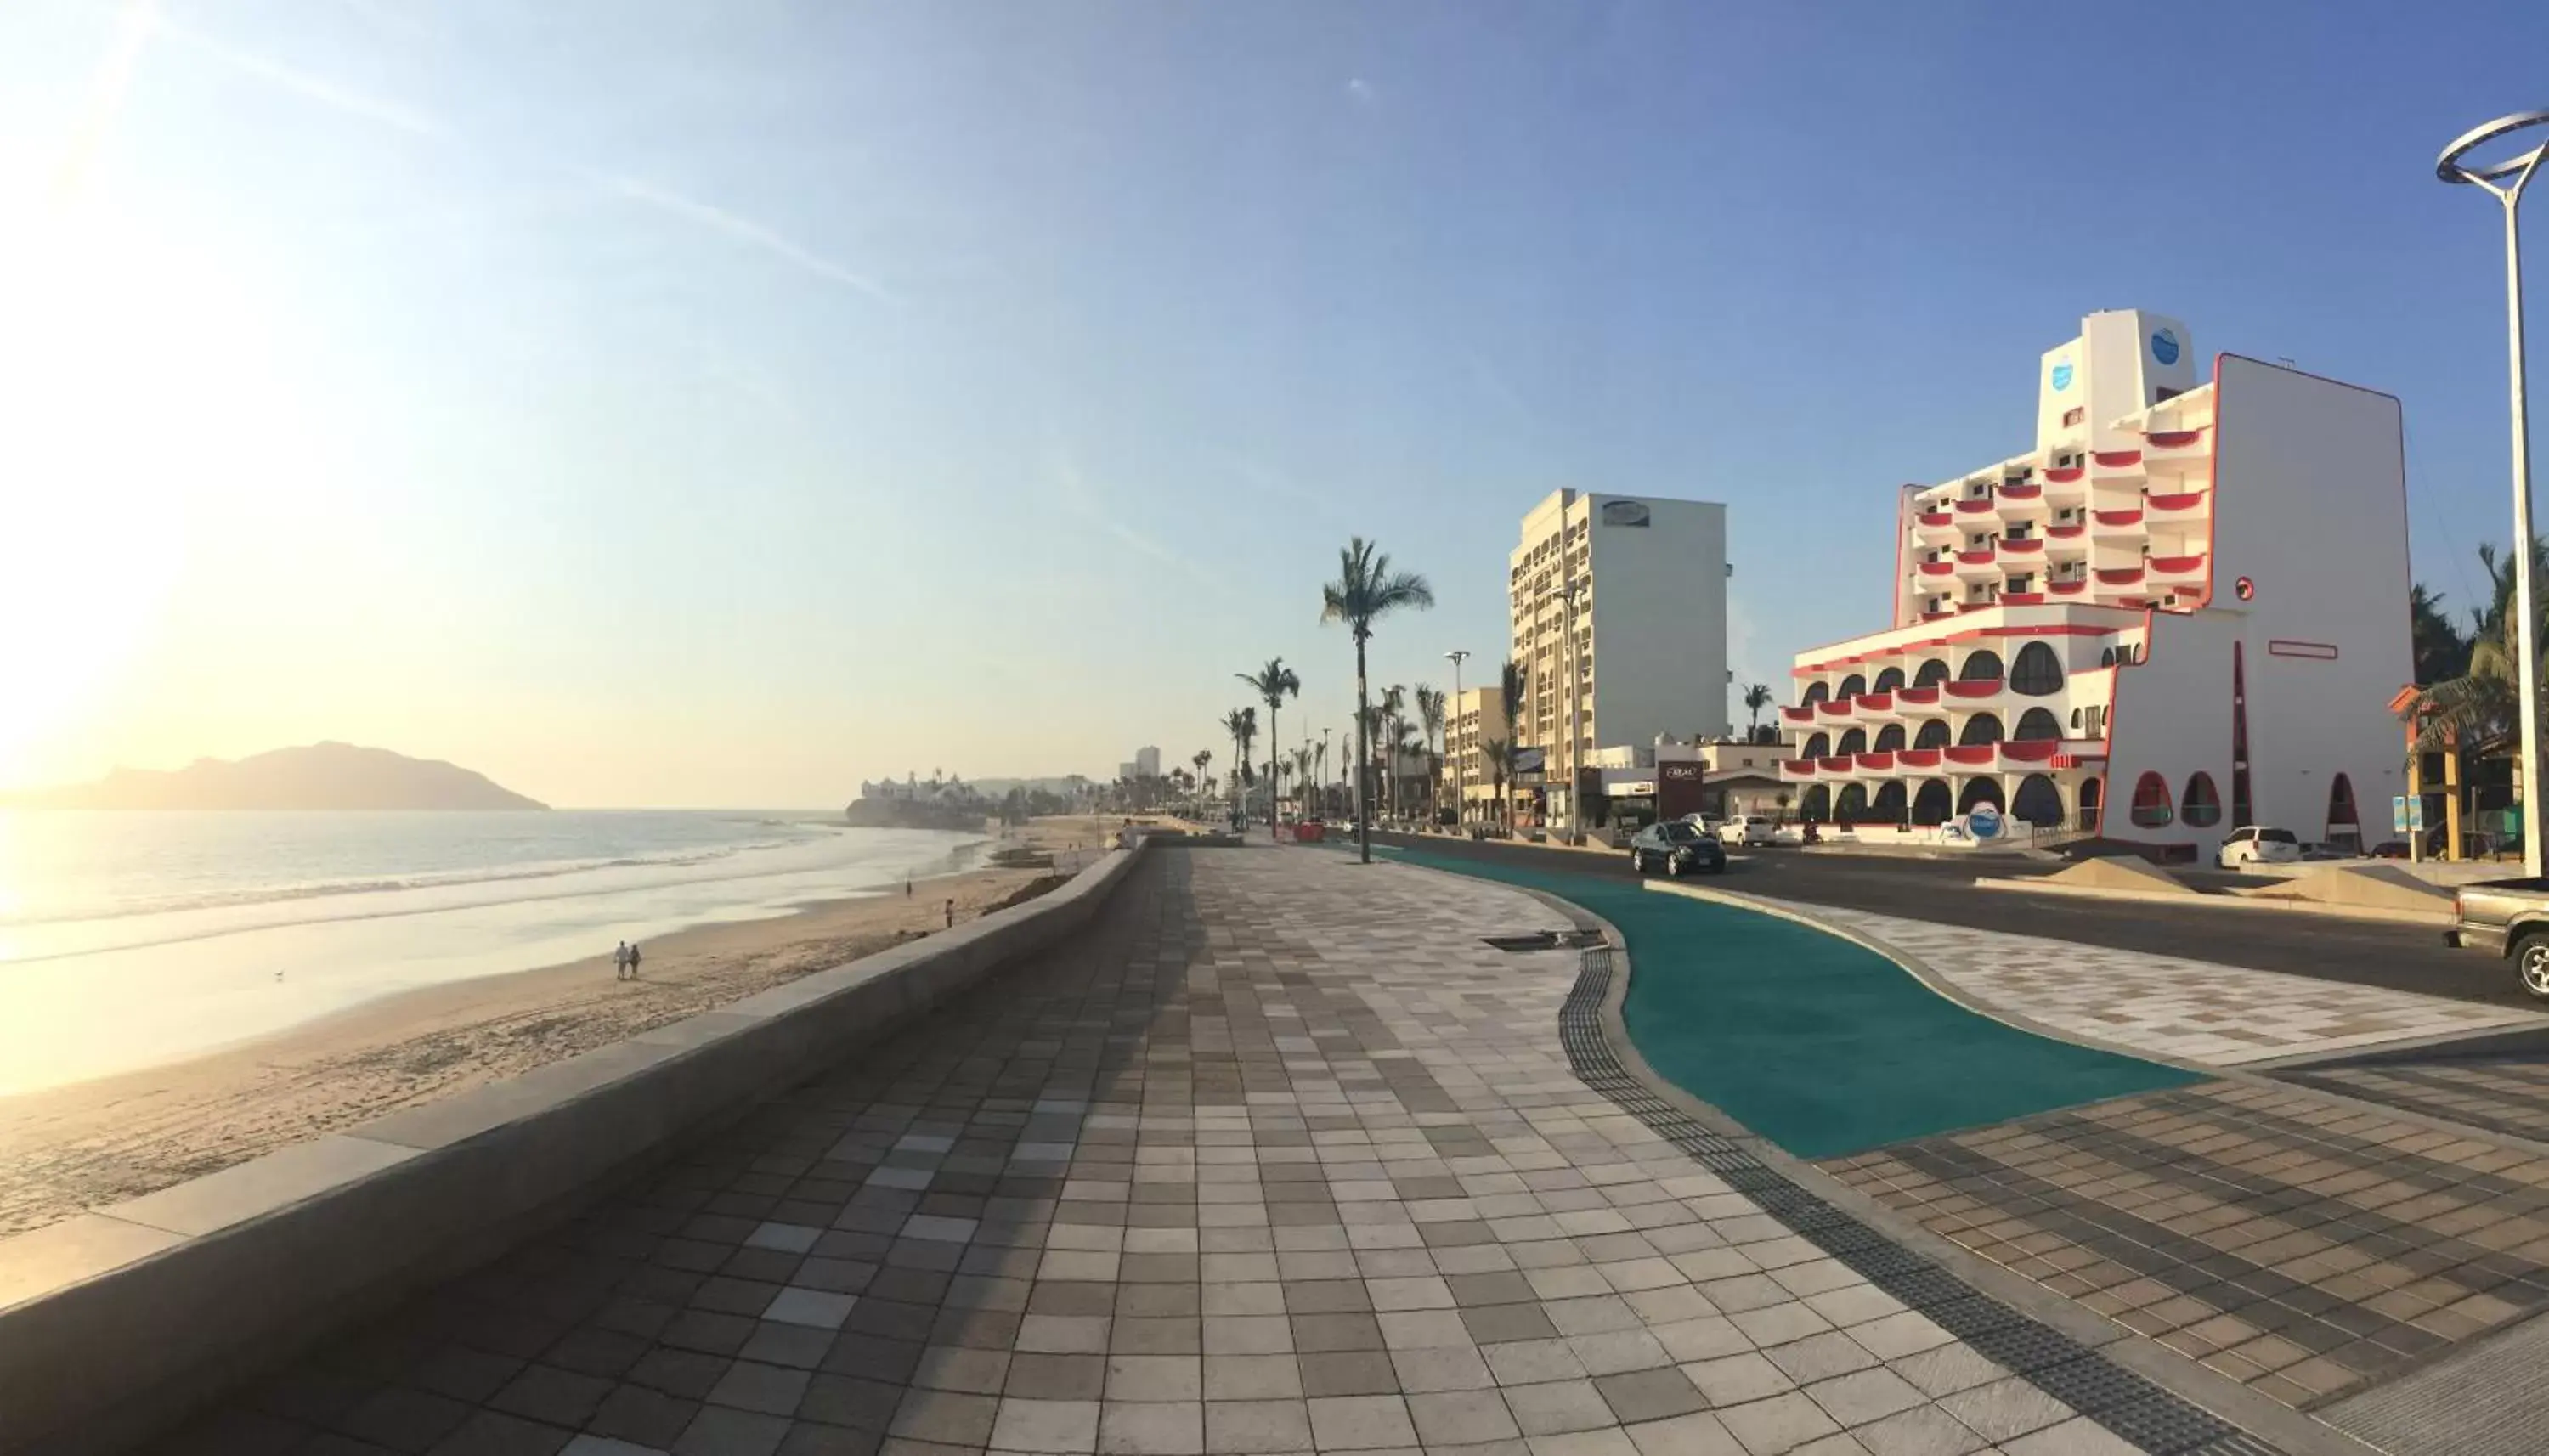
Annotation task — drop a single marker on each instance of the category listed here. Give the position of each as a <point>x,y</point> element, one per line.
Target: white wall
<point>1659,622</point>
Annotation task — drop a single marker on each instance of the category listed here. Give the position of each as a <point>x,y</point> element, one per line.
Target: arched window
<point>1932,733</point>
<point>1851,686</point>
<point>2036,672</point>
<point>1980,665</point>
<point>1816,808</point>
<point>2107,658</point>
<point>1853,742</point>
<point>1889,737</point>
<point>1933,803</point>
<point>2036,724</point>
<point>2038,802</point>
<point>1980,728</point>
<point>1889,680</point>
<point>1814,693</point>
<point>2090,788</point>
<point>2150,802</point>
<point>2341,823</point>
<point>1932,673</point>
<point>1853,804</point>
<point>2076,720</point>
<point>1819,746</point>
<point>1888,803</point>
<point>1978,792</point>
<point>2200,807</point>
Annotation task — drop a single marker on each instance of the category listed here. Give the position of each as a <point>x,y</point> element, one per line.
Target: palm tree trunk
<point>1274,756</point>
<point>1363,734</point>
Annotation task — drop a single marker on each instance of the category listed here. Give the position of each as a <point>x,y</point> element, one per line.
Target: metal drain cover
<point>1548,940</point>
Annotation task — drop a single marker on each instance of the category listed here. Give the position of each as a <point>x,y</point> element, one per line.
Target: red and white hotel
<point>2184,610</point>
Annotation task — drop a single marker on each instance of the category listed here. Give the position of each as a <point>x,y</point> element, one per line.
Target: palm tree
<point>1499,753</point>
<point>1241,725</point>
<point>1365,590</point>
<point>1509,692</point>
<point>1430,702</point>
<point>1756,698</point>
<point>1393,702</point>
<point>1202,757</point>
<point>1272,682</point>
<point>1301,781</point>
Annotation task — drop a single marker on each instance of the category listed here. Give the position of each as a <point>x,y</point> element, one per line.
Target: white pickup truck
<point>2508,918</point>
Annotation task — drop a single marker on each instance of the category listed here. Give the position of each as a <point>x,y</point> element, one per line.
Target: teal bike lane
<point>1814,1042</point>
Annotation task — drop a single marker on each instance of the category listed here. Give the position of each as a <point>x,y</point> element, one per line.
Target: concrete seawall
<point>116,1323</point>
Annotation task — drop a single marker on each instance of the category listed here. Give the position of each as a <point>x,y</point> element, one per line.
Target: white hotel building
<point>2184,610</point>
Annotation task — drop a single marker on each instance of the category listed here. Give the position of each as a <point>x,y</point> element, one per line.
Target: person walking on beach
<point>620,963</point>
<point>633,958</point>
<point>951,915</point>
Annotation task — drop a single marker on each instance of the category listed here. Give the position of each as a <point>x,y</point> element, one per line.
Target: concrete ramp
<point>2119,873</point>
<point>2357,887</point>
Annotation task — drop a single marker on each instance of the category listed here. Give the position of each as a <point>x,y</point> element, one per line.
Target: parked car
<point>1675,848</point>
<point>2257,844</point>
<point>1744,830</point>
<point>2508,918</point>
<point>2329,849</point>
<point>2390,848</point>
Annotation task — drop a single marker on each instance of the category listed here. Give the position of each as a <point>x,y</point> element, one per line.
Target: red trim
<point>1936,518</point>
<point>1837,765</point>
<point>2119,517</point>
<point>1975,507</point>
<point>2030,751</point>
<point>2067,589</point>
<point>2122,576</point>
<point>1917,758</point>
<point>2184,500</point>
<point>1937,568</point>
<point>1970,634</point>
<point>1917,697</point>
<point>2028,546</point>
<point>2066,532</point>
<point>1834,707</point>
<point>1798,767</point>
<point>2021,599</point>
<point>1803,715</point>
<point>2065,476</point>
<point>1876,703</point>
<point>2016,491</point>
<point>1877,763</point>
<point>1936,617</point>
<point>2176,564</point>
<point>2117,459</point>
<point>2318,651</point>
<point>2171,439</point>
<point>1971,754</point>
<point>1973,687</point>
<point>1974,558</point>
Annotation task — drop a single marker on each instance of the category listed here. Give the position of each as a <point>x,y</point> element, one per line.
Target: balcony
<point>1971,755</point>
<point>1980,514</point>
<point>2183,505</point>
<point>2177,451</point>
<point>1937,568</point>
<point>1917,697</point>
<point>1967,693</point>
<point>1977,566</point>
<point>2107,464</point>
<point>1837,707</point>
<point>2028,550</point>
<point>1933,528</point>
<point>1918,758</point>
<point>1800,713</point>
<point>1797,768</point>
<point>2175,570</point>
<point>2066,542</point>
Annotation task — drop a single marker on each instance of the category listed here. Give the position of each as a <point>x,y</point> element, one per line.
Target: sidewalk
<point>1279,1157</point>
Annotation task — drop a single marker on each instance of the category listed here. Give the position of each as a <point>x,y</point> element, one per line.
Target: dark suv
<point>1677,846</point>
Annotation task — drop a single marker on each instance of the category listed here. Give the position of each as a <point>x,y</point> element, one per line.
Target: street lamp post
<point>2494,177</point>
<point>1575,716</point>
<point>1460,806</point>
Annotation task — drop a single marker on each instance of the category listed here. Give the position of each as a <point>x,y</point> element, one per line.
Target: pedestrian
<point>633,958</point>
<point>951,914</point>
<point>620,963</point>
<point>906,888</point>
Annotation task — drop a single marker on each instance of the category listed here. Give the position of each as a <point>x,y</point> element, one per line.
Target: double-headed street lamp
<point>1460,806</point>
<point>2507,179</point>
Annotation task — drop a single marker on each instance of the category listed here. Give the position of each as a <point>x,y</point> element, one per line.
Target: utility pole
<point>1459,805</point>
<point>1574,715</point>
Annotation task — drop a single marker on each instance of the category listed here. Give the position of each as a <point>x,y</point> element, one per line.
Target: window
<point>2076,720</point>
<point>1851,686</point>
<point>2164,392</point>
<point>1853,804</point>
<point>2107,658</point>
<point>1980,728</point>
<point>1889,737</point>
<point>2200,809</point>
<point>1932,673</point>
<point>1933,803</point>
<point>1933,732</point>
<point>2074,415</point>
<point>1815,806</point>
<point>2276,837</point>
<point>1889,680</point>
<point>2038,802</point>
<point>1888,806</point>
<point>2036,672</point>
<point>1978,792</point>
<point>1854,741</point>
<point>2150,802</point>
<point>1814,693</point>
<point>1982,664</point>
<point>1819,746</point>
<point>2089,791</point>
<point>2022,584</point>
<point>2036,725</point>
<point>2341,823</point>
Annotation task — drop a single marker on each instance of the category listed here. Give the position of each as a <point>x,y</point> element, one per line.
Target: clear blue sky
<point>648,402</point>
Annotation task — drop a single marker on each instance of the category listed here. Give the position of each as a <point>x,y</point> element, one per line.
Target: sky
<point>647,402</point>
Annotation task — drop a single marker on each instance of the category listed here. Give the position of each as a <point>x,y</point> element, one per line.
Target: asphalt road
<point>2358,952</point>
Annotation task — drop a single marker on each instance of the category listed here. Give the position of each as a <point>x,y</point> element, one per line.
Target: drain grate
<point>1548,940</point>
<point>2151,1419</point>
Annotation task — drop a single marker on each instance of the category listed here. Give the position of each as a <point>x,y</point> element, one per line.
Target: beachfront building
<point>1648,618</point>
<point>2184,610</point>
<point>1477,718</point>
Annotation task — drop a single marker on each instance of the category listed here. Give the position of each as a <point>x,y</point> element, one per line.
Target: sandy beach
<point>77,1147</point>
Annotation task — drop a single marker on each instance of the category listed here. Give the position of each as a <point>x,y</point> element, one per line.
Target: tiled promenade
<point>1277,1158</point>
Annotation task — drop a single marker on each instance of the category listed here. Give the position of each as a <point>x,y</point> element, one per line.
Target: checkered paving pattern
<point>1276,1157</point>
<point>2190,1010</point>
<point>2302,1246</point>
<point>2502,1094</point>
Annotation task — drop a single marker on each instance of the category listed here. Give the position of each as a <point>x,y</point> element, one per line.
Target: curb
<point>2436,919</point>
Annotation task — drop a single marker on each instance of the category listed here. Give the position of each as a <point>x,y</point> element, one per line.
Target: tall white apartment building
<point>1146,762</point>
<point>2190,597</point>
<point>1649,621</point>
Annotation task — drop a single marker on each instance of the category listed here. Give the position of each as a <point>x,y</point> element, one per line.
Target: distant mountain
<point>322,775</point>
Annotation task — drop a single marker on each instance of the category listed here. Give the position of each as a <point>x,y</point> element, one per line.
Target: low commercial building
<point>2190,596</point>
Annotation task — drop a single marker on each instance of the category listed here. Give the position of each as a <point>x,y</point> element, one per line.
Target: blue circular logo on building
<point>2164,346</point>
<point>2062,376</point>
<point>1984,820</point>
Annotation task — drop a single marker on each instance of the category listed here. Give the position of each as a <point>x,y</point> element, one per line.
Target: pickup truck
<point>2508,918</point>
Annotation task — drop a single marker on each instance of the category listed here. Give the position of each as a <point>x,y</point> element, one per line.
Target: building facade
<point>1475,718</point>
<point>2183,612</point>
<point>1648,616</point>
<point>1146,762</point>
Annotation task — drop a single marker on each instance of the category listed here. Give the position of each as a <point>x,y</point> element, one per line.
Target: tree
<point>1757,696</point>
<point>1430,703</point>
<point>1510,686</point>
<point>1272,682</point>
<point>1241,725</point>
<point>1365,591</point>
<point>2442,649</point>
<point>1302,779</point>
<point>1203,755</point>
<point>1499,753</point>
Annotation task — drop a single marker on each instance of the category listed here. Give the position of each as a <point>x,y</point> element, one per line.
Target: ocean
<point>132,938</point>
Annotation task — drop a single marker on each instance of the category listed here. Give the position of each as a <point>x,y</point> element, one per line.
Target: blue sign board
<point>2062,376</point>
<point>1984,820</point>
<point>2164,346</point>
